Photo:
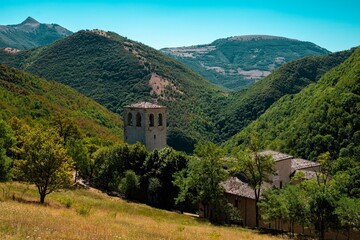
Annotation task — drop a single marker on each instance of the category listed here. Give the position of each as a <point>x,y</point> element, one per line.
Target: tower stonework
<point>145,122</point>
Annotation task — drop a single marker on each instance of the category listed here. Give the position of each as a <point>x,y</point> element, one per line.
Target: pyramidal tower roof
<point>145,105</point>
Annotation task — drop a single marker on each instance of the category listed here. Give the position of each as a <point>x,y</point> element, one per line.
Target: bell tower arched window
<point>160,120</point>
<point>129,119</point>
<point>151,120</point>
<point>138,120</point>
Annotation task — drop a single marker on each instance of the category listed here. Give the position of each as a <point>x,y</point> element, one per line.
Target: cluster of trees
<point>331,200</point>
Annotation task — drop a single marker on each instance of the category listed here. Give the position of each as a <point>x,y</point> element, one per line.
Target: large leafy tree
<point>201,181</point>
<point>7,140</point>
<point>256,167</point>
<point>45,162</point>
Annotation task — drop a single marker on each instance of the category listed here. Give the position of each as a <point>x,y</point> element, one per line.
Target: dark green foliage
<point>130,184</point>
<point>159,169</point>
<point>115,71</point>
<point>324,116</point>
<point>261,53</point>
<point>247,105</point>
<point>7,141</point>
<point>30,34</point>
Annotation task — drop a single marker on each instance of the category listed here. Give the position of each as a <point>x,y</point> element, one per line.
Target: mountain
<point>324,116</point>
<point>237,62</point>
<point>41,102</point>
<point>116,71</point>
<point>247,105</point>
<point>30,34</point>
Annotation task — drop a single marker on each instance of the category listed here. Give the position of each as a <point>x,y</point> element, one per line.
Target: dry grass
<point>107,218</point>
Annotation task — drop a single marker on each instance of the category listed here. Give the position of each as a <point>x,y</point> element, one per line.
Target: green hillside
<point>324,116</point>
<point>41,102</point>
<point>116,71</point>
<point>247,105</point>
<point>30,34</point>
<point>236,62</point>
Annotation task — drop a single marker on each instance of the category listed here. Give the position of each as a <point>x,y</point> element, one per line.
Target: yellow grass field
<point>94,215</point>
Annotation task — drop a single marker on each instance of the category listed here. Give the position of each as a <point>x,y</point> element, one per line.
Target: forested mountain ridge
<point>236,62</point>
<point>324,116</point>
<point>247,105</point>
<point>116,71</point>
<point>30,34</point>
<point>47,103</point>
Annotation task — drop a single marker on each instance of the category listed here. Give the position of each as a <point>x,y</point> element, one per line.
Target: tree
<point>130,184</point>
<point>44,162</point>
<point>202,179</point>
<point>7,140</point>
<point>162,165</point>
<point>256,167</point>
<point>348,212</point>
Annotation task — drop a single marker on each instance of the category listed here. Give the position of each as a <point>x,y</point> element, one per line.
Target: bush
<point>66,201</point>
<point>84,210</point>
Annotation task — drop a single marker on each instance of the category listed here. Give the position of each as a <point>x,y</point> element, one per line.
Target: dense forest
<point>324,116</point>
<point>116,71</point>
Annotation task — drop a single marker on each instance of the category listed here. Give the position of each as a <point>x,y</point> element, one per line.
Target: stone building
<point>146,123</point>
<point>242,196</point>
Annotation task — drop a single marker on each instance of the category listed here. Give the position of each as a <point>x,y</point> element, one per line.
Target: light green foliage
<point>37,101</point>
<point>348,211</point>
<point>44,162</point>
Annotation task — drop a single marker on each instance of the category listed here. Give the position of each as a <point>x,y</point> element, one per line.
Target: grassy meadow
<point>89,214</point>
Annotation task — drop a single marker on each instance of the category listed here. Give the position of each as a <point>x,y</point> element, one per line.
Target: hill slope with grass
<point>44,103</point>
<point>247,105</point>
<point>30,34</point>
<point>236,62</point>
<point>89,214</point>
<point>324,116</point>
<point>116,71</point>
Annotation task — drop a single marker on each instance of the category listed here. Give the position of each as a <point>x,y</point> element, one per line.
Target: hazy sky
<point>334,25</point>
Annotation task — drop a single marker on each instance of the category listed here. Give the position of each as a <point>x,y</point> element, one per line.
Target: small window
<point>151,120</point>
<point>154,136</point>
<point>138,120</point>
<point>129,119</point>
<point>160,119</point>
<point>281,184</point>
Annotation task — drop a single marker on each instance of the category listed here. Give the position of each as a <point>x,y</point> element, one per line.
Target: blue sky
<point>334,25</point>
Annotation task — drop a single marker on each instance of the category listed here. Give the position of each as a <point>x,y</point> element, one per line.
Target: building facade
<point>146,123</point>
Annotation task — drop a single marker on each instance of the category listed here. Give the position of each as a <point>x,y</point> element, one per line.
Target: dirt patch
<point>159,85</point>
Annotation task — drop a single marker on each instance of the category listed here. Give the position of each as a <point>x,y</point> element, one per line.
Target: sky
<point>334,25</point>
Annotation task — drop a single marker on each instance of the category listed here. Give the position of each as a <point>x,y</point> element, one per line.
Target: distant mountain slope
<point>30,34</point>
<point>116,71</point>
<point>324,116</point>
<point>247,105</point>
<point>236,62</point>
<point>43,102</point>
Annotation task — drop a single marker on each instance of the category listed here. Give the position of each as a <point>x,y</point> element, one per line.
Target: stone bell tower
<point>145,122</point>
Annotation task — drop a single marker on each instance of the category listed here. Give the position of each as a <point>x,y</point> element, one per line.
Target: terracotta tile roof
<point>298,163</point>
<point>235,186</point>
<point>277,156</point>
<point>145,105</point>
